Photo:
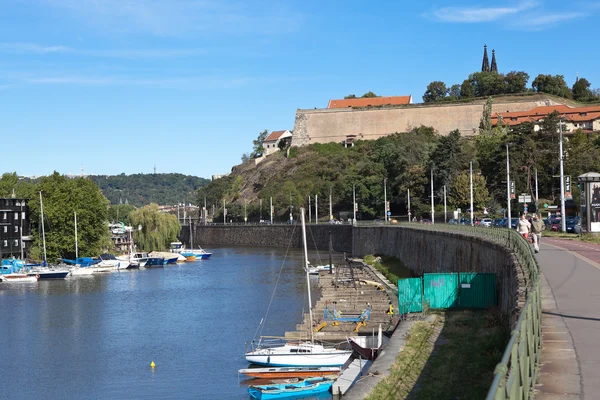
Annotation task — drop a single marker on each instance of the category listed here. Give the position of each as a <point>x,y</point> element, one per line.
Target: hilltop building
<point>585,118</point>
<point>346,124</point>
<point>271,142</point>
<point>485,64</point>
<point>14,227</point>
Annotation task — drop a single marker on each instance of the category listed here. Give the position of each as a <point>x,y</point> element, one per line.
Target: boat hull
<point>305,388</point>
<point>50,274</point>
<point>19,278</point>
<point>290,372</point>
<point>299,360</point>
<point>367,353</point>
<point>81,271</point>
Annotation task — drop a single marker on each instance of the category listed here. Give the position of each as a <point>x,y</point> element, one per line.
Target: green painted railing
<point>516,374</point>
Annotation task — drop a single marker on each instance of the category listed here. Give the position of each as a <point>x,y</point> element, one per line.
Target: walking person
<point>523,227</point>
<point>537,226</point>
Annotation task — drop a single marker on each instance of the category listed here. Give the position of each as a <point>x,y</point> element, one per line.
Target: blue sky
<point>186,85</point>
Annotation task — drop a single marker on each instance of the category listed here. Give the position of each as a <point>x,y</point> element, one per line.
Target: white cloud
<point>179,17</point>
<point>28,48</point>
<point>546,19</point>
<point>524,15</point>
<point>32,48</point>
<point>479,14</point>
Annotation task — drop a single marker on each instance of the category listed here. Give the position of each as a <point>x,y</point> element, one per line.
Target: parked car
<point>500,222</point>
<point>572,223</point>
<point>487,222</point>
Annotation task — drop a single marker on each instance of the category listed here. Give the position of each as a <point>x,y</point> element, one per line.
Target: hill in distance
<point>142,189</point>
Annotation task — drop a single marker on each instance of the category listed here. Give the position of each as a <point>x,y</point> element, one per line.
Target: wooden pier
<point>350,289</point>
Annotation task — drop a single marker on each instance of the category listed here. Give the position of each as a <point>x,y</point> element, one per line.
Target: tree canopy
<point>158,229</point>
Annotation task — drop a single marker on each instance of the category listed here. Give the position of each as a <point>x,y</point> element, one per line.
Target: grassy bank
<point>571,236</point>
<point>391,267</point>
<point>452,357</point>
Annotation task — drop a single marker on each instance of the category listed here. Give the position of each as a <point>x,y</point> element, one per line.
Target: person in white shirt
<point>524,226</point>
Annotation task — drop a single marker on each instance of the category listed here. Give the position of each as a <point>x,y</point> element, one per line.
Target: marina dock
<point>350,290</point>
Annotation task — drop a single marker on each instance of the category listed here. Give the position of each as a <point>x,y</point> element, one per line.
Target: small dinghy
<point>307,387</point>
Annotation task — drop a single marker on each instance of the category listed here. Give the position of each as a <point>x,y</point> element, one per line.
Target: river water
<point>95,337</point>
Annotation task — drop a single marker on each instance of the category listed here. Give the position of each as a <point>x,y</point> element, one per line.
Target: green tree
<point>158,229</point>
<point>448,159</point>
<point>581,90</point>
<point>487,83</point>
<point>436,90</point>
<point>62,197</point>
<point>369,95</point>
<point>466,89</point>
<point>120,213</point>
<point>485,125</point>
<point>350,96</point>
<point>454,91</point>
<point>460,192</point>
<point>555,85</point>
<point>516,81</point>
<point>258,148</point>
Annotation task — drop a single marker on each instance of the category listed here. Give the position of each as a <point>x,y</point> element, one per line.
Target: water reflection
<point>94,337</point>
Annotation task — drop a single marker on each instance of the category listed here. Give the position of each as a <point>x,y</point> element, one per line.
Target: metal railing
<point>516,374</point>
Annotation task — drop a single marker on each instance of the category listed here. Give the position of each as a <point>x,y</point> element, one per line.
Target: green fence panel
<point>441,290</point>
<point>410,295</point>
<point>477,290</point>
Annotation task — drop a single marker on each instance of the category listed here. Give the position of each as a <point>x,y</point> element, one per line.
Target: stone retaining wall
<point>420,250</point>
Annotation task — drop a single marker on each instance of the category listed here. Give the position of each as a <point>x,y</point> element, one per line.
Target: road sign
<point>512,190</point>
<point>545,205</point>
<point>389,213</point>
<point>525,199</point>
<point>568,187</point>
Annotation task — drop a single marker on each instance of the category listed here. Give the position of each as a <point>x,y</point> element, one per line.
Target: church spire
<point>494,66</point>
<point>485,65</point>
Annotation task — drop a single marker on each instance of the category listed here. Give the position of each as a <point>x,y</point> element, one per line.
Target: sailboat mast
<point>76,244</point>
<point>307,274</point>
<point>43,232</point>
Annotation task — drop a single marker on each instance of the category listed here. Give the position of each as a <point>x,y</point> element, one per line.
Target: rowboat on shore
<point>290,372</point>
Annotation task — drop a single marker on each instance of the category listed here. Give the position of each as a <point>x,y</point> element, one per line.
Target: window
<point>6,229</point>
<point>16,216</point>
<point>16,229</point>
<point>6,243</point>
<point>17,242</point>
<point>22,214</point>
<point>5,215</point>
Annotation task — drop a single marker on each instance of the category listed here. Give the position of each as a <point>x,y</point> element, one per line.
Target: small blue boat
<point>171,260</point>
<point>307,387</point>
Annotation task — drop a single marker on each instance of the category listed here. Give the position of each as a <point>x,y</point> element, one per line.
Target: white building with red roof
<point>573,118</point>
<point>271,142</point>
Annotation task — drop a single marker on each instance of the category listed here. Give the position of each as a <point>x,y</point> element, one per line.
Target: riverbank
<point>451,356</point>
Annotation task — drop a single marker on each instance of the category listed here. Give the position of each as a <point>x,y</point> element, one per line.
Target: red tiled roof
<point>369,102</point>
<point>274,136</point>
<point>538,113</point>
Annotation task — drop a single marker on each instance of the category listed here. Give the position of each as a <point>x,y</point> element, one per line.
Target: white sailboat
<point>300,354</point>
<point>78,270</point>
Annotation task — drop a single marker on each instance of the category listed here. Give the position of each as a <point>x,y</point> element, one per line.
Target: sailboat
<point>43,271</point>
<point>81,264</point>
<point>300,354</point>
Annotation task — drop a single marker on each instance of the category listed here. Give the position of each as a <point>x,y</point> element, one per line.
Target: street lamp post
<point>432,201</point>
<point>354,204</point>
<point>385,199</point>
<point>445,209</point>
<point>509,225</point>
<point>471,185</point>
<point>330,205</point>
<point>563,218</point>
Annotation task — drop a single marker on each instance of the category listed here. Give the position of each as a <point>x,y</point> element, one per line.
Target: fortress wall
<point>332,125</point>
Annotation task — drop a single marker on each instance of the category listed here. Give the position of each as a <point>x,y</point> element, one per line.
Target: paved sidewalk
<point>570,320</point>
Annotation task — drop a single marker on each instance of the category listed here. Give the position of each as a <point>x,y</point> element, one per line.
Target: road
<point>571,320</point>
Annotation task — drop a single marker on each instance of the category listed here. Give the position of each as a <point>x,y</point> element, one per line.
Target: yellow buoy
<point>152,365</point>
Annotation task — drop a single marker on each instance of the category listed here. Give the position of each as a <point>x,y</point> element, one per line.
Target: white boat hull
<point>303,355</point>
<point>81,271</point>
<point>18,278</point>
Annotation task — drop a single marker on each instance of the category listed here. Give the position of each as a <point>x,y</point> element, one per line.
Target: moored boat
<point>290,372</point>
<point>299,354</point>
<point>11,271</point>
<point>307,387</point>
<point>48,273</point>
<point>155,262</point>
<point>367,347</point>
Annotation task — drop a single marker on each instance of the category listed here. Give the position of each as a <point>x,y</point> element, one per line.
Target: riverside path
<point>570,367</point>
